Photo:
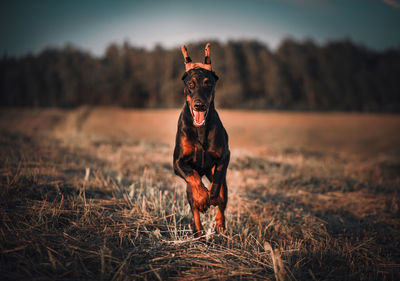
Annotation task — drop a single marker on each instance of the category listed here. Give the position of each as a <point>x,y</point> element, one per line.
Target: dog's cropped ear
<point>185,54</point>
<point>191,65</point>
<point>207,54</point>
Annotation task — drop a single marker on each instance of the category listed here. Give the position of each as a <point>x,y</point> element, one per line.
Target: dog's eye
<point>207,83</point>
<point>191,85</point>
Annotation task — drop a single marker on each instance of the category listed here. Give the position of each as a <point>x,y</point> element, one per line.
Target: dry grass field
<point>90,193</point>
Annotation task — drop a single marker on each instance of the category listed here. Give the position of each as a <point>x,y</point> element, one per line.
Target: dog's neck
<point>201,134</point>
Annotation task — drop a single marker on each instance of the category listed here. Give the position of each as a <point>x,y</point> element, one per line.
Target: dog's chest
<point>198,154</point>
<point>201,158</point>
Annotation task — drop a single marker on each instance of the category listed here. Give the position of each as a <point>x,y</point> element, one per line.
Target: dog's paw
<point>201,199</point>
<point>220,227</point>
<point>220,223</point>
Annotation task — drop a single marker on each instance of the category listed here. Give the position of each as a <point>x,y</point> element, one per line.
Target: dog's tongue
<point>199,117</point>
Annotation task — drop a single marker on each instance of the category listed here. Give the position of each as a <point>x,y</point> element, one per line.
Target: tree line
<point>339,75</point>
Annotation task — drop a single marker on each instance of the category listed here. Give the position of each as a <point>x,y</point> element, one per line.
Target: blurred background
<point>269,54</point>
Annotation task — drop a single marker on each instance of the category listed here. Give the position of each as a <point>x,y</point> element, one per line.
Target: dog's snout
<point>199,105</point>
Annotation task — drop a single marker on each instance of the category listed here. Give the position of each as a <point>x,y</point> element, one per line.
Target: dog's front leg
<point>219,190</point>
<point>195,210</point>
<point>201,200</point>
<point>200,197</point>
<point>218,175</point>
<point>197,193</point>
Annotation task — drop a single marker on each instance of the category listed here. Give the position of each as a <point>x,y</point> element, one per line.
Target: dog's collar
<point>193,65</point>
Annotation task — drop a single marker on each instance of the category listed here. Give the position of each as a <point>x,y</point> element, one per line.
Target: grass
<point>90,194</point>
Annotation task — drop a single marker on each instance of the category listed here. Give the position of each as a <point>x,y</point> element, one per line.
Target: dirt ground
<point>90,193</point>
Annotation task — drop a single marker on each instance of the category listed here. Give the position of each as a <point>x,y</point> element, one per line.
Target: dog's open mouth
<point>199,117</point>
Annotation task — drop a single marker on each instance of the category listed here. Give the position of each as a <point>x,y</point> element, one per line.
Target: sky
<point>29,26</point>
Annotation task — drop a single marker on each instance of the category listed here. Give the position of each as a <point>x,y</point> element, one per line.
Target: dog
<point>201,146</point>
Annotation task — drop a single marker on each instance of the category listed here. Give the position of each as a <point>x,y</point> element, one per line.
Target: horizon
<point>29,28</point>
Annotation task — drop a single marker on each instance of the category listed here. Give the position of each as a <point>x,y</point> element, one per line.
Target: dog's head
<point>199,80</point>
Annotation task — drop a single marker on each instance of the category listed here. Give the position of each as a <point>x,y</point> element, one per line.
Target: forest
<point>298,75</point>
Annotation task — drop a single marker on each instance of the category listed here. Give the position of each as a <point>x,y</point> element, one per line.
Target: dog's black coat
<point>202,151</point>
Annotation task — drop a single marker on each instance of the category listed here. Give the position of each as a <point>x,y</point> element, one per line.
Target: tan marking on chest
<point>187,146</point>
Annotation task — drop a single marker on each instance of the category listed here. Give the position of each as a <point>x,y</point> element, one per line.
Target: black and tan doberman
<point>201,147</point>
